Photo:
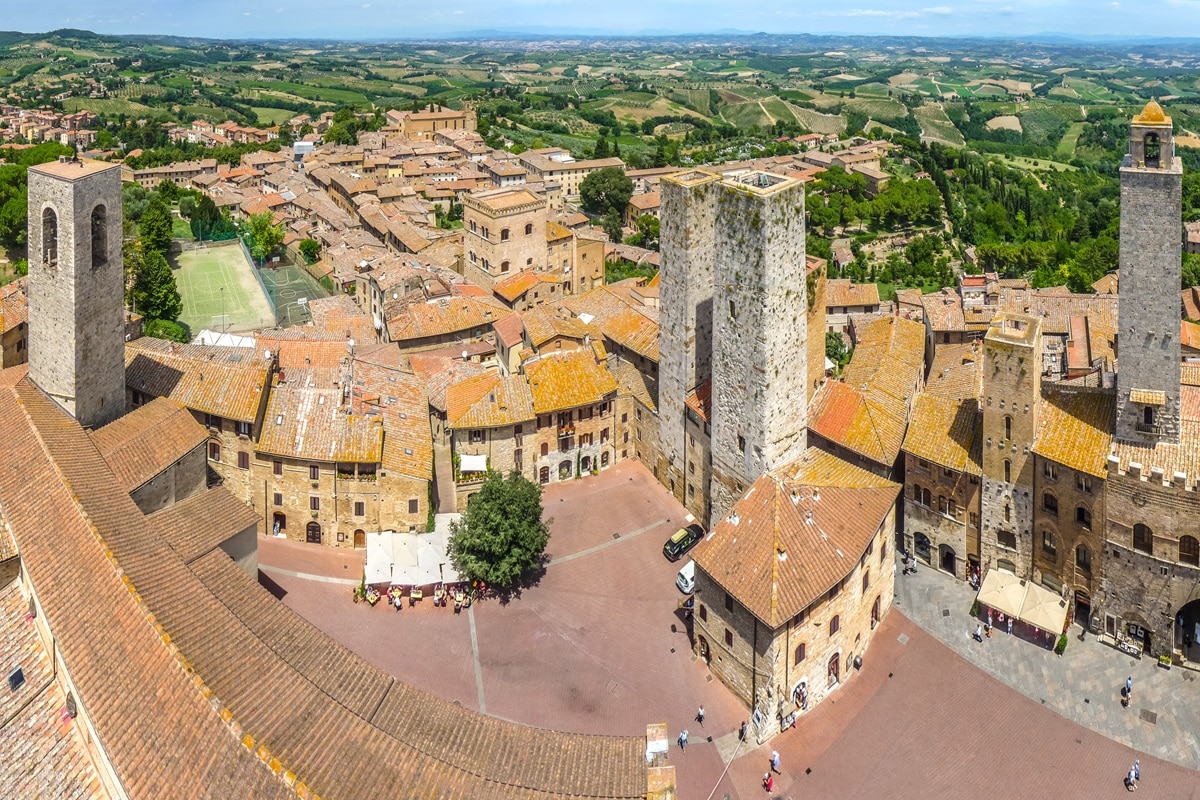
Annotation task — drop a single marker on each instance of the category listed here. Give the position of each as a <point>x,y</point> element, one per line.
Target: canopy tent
<point>468,463</point>
<point>1044,609</point>
<point>411,559</point>
<point>1002,591</point>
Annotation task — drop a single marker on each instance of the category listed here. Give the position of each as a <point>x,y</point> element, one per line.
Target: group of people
<point>986,630</point>
<point>1135,775</point>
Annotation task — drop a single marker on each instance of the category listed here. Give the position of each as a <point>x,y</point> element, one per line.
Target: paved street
<point>598,646</point>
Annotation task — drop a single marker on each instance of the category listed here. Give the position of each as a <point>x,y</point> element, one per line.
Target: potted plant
<point>1164,661</point>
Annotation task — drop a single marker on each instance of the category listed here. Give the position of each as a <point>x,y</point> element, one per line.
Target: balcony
<point>1155,430</point>
<point>565,430</point>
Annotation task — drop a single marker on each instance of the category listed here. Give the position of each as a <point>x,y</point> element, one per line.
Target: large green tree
<point>266,233</point>
<point>155,295</point>
<point>605,189</point>
<point>502,536</point>
<point>156,227</point>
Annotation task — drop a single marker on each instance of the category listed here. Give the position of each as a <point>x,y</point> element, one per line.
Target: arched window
<point>504,266</point>
<point>1153,150</point>
<point>1007,428</point>
<point>99,237</point>
<point>1143,538</point>
<point>1083,559</point>
<point>504,234</point>
<point>1083,517</point>
<point>1050,504</point>
<point>1148,416</point>
<point>528,228</point>
<point>1189,550</point>
<point>1007,471</point>
<point>1006,566</point>
<point>50,238</point>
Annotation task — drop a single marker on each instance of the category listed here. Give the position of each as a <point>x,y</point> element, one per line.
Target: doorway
<point>278,523</point>
<point>948,559</point>
<point>1083,609</point>
<point>312,533</point>
<point>1187,631</point>
<point>360,538</point>
<point>702,646</point>
<point>834,669</point>
<point>921,545</point>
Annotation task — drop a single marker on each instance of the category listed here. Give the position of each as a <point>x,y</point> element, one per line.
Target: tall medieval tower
<point>76,288</point>
<point>1148,342</point>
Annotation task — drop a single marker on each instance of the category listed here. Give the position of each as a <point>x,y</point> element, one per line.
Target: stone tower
<point>688,242</point>
<point>760,342</point>
<point>76,288</point>
<point>1148,339</point>
<point>1012,391</point>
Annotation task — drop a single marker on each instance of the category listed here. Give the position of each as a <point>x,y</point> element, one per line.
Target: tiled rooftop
<point>147,440</point>
<point>567,380</point>
<point>1075,427</point>
<point>947,432</point>
<point>306,419</point>
<point>225,381</point>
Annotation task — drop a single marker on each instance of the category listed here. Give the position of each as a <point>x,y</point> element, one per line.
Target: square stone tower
<point>1148,342</point>
<point>760,350</point>
<point>1012,391</point>
<point>76,288</point>
<point>688,245</point>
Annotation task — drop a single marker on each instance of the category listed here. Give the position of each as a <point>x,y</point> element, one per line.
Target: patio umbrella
<point>1003,592</point>
<point>1044,609</point>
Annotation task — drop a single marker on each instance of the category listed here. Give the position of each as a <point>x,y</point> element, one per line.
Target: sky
<point>373,19</point>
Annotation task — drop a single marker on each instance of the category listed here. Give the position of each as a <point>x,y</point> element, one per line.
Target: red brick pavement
<point>941,728</point>
<point>310,559</point>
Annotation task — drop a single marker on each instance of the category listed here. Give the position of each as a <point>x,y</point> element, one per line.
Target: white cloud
<point>938,10</point>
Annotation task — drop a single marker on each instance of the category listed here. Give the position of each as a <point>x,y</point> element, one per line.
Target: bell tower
<point>1148,342</point>
<point>76,288</point>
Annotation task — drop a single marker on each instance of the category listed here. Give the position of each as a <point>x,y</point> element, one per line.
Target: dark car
<point>683,540</point>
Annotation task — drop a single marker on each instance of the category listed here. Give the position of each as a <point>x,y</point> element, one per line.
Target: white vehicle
<point>686,579</point>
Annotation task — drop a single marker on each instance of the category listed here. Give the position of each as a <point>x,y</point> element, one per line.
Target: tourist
<point>683,739</point>
<point>700,716</point>
<point>775,760</point>
<point>768,782</point>
<point>979,633</point>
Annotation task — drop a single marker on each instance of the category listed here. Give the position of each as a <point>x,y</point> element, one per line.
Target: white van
<point>686,579</point>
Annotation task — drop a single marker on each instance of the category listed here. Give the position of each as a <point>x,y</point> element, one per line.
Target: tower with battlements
<point>1148,340</point>
<point>76,288</point>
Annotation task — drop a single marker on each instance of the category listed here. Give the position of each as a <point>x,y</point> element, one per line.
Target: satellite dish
<point>464,355</point>
<point>266,353</point>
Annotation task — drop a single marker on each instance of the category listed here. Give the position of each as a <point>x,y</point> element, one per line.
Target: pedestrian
<point>1129,685</point>
<point>742,732</point>
<point>700,716</point>
<point>1129,781</point>
<point>768,782</point>
<point>775,761</point>
<point>989,618</point>
<point>1010,626</point>
<point>683,739</point>
<point>1137,770</point>
<point>979,633</point>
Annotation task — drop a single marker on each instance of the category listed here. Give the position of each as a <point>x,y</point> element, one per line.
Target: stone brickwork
<point>759,366</point>
<point>699,466</point>
<point>815,327</point>
<point>1148,378</point>
<point>1068,531</point>
<point>687,243</point>
<point>576,440</point>
<point>503,236</point>
<point>76,288</point>
<point>766,676</point>
<point>505,449</point>
<point>942,505</point>
<point>1012,390</point>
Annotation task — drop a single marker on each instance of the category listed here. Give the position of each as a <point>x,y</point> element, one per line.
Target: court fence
<point>261,285</point>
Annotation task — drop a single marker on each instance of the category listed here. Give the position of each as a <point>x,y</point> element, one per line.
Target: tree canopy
<point>155,295</point>
<point>266,234</point>
<point>502,536</point>
<point>155,227</point>
<point>604,189</point>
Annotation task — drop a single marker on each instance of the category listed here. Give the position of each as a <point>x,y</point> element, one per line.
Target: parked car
<point>686,579</point>
<point>683,540</point>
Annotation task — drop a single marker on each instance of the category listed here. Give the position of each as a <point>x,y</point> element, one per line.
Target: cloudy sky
<point>400,18</point>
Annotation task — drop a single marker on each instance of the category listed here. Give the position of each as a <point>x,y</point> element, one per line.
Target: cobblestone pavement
<point>1083,685</point>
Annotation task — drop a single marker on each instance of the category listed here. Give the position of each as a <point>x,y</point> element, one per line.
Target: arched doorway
<point>948,559</point>
<point>544,475</point>
<point>278,523</point>
<point>564,470</point>
<point>312,533</point>
<point>834,669</point>
<point>702,647</point>
<point>585,464</point>
<point>360,538</point>
<point>1187,631</point>
<point>1083,608</point>
<point>875,613</point>
<point>921,545</point>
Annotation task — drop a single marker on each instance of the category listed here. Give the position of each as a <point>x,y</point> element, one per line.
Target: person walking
<point>768,782</point>
<point>1010,626</point>
<point>1129,685</point>
<point>1129,781</point>
<point>979,633</point>
<point>1137,770</point>
<point>775,761</point>
<point>700,716</point>
<point>683,739</point>
<point>742,732</point>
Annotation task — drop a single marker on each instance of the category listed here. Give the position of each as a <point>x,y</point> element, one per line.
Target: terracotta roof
<point>225,381</point>
<point>956,372</point>
<point>634,327</point>
<point>439,374</point>
<point>400,399</point>
<point>944,311</point>
<point>841,292</point>
<point>504,199</point>
<point>147,440</point>
<point>632,382</point>
<point>543,324</point>
<point>646,201</point>
<point>1190,300</point>
<point>867,411</point>
<point>776,560</point>
<point>947,432</point>
<point>699,400</point>
<point>14,305</point>
<point>568,380</point>
<point>197,525</point>
<point>510,330</point>
<point>1106,285</point>
<point>304,346</point>
<point>1075,428</point>
<point>306,419</point>
<point>513,287</point>
<point>1189,334</point>
<point>489,401</point>
<point>443,317</point>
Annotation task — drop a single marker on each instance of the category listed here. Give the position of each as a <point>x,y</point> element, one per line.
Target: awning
<point>1002,591</point>
<point>1044,609</point>
<point>468,463</point>
<point>378,568</point>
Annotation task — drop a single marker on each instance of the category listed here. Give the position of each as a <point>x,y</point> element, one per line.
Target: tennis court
<point>290,288</point>
<point>220,292</point>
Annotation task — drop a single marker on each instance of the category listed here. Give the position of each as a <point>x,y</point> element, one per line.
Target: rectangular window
<point>1049,471</point>
<point>866,581</point>
<point>742,445</point>
<point>728,638</point>
<point>277,467</point>
<point>974,520</point>
<point>243,461</point>
<point>1007,539</point>
<point>728,602</point>
<point>278,498</point>
<point>1083,482</point>
<point>1048,546</point>
<point>360,508</point>
<point>314,472</point>
<point>703,613</point>
<point>413,506</point>
<point>212,421</point>
<point>243,428</point>
<point>214,451</point>
<point>518,460</point>
<point>314,504</point>
<point>835,625</point>
<point>476,437</point>
<point>800,652</point>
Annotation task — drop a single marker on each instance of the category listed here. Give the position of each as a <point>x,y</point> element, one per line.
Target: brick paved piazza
<point>589,649</point>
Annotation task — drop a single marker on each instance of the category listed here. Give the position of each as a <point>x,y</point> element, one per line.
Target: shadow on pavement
<point>277,591</point>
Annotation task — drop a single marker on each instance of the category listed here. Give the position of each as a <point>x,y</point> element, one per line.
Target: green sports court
<point>290,288</point>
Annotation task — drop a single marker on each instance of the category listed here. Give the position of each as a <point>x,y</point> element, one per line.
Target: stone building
<point>77,288</point>
<point>489,417</point>
<point>574,398</point>
<point>1012,390</point>
<point>792,582</point>
<point>14,323</point>
<point>505,234</point>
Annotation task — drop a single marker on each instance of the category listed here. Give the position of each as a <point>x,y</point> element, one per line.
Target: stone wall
<point>520,250</point>
<point>698,475</point>
<point>77,298</point>
<point>948,528</point>
<point>181,480</point>
<point>1064,563</point>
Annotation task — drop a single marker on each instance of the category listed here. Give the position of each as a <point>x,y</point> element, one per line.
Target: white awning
<point>468,463</point>
<point>378,568</point>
